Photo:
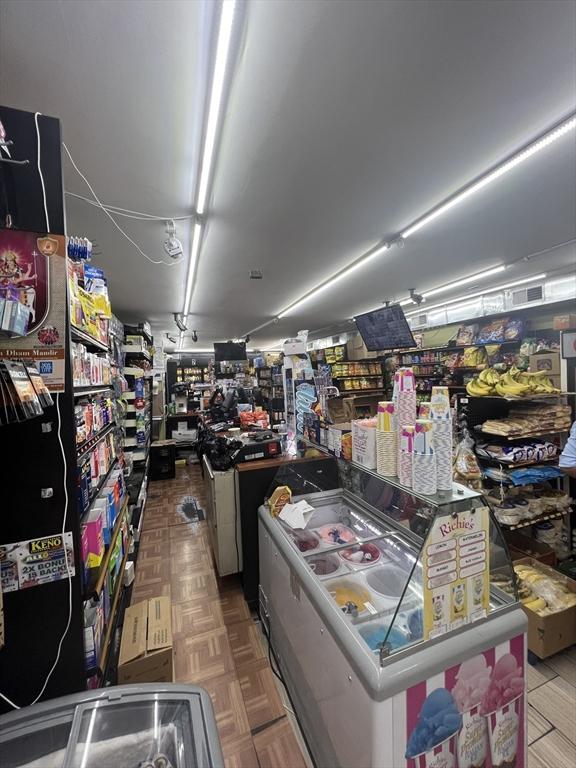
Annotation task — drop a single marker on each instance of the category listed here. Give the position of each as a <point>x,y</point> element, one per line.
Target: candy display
<point>439,719</point>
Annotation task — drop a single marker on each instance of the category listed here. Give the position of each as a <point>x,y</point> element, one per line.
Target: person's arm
<point>567,461</point>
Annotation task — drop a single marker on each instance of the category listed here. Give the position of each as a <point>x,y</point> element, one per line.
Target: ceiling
<point>345,122</point>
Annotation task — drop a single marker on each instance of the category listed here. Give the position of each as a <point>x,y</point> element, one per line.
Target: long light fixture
<point>492,176</point>
<point>225,28</point>
<point>215,104</point>
<point>333,280</point>
<point>194,251</point>
<point>485,292</point>
<point>458,283</point>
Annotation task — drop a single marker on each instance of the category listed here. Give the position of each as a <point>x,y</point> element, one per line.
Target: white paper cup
<point>472,740</point>
<point>503,727</point>
<point>441,756</point>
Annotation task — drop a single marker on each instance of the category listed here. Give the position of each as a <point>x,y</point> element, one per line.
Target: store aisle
<point>217,643</point>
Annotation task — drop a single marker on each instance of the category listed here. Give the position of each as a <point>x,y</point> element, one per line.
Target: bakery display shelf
<point>98,575</point>
<point>529,436</point>
<point>519,464</point>
<point>105,649</point>
<point>101,484</point>
<point>85,338</point>
<point>533,521</point>
<point>94,389</point>
<point>87,445</point>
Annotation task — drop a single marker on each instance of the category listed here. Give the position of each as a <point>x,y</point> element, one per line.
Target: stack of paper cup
<point>405,455</point>
<point>386,440</point>
<point>424,411</point>
<point>424,460</point>
<point>440,415</point>
<point>404,399</point>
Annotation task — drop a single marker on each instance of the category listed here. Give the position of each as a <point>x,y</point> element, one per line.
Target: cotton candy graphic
<point>472,682</point>
<point>438,720</point>
<point>506,683</point>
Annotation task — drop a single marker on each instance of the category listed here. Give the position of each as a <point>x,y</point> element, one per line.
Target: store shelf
<point>98,577</point>
<point>523,398</point>
<point>92,390</point>
<point>512,438</point>
<point>101,484</point>
<point>85,338</point>
<point>136,352</point>
<point>105,649</point>
<point>451,348</point>
<point>86,446</point>
<point>361,391</point>
<point>533,521</point>
<point>518,465</point>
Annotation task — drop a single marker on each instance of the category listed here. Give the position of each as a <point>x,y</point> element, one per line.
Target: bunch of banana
<point>513,383</point>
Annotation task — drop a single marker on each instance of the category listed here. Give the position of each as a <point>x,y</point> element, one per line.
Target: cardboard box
<point>361,406</point>
<point>356,349</point>
<point>545,361</point>
<point>146,646</point>
<point>523,546</point>
<point>336,434</point>
<point>564,322</point>
<point>364,443</point>
<point>336,409</point>
<point>550,634</point>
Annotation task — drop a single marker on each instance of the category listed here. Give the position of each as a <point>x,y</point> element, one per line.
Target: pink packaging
<point>94,536</point>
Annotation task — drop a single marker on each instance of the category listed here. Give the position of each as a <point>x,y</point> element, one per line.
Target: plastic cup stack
<point>440,415</point>
<point>424,460</point>
<point>405,455</point>
<point>386,440</point>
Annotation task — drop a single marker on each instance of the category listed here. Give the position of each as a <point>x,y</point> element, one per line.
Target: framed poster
<point>33,271</point>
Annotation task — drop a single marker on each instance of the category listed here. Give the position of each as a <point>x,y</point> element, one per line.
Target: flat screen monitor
<point>385,328</point>
<point>229,350</point>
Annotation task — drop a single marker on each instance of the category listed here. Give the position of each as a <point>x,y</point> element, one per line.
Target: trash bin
<point>127,726</point>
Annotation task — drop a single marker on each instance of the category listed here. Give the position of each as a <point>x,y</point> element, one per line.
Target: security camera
<point>247,339</point>
<point>180,322</point>
<point>172,245</point>
<point>194,336</point>
<point>416,298</point>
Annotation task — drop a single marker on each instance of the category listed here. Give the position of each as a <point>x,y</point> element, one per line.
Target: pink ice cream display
<point>506,684</point>
<point>472,682</point>
<point>336,534</point>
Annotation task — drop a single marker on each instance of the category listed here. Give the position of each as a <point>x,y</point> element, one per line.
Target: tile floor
<point>218,645</point>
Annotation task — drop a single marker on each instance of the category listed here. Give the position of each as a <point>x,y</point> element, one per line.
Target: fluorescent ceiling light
<point>333,280</point>
<point>196,237</point>
<point>499,171</point>
<point>215,105</point>
<point>485,292</point>
<point>456,284</point>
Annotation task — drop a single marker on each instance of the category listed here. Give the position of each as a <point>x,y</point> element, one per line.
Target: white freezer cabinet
<point>381,675</point>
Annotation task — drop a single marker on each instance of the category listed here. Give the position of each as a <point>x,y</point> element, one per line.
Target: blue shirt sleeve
<point>568,455</point>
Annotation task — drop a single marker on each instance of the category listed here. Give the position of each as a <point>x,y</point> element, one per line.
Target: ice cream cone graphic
<point>472,740</point>
<point>441,756</point>
<point>432,743</point>
<point>472,682</point>
<point>503,727</point>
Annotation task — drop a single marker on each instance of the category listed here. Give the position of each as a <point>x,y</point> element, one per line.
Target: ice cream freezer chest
<point>140,726</point>
<point>385,671</point>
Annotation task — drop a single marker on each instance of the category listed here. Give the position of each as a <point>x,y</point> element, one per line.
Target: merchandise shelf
<point>361,391</point>
<point>518,465</point>
<point>137,352</point>
<point>87,445</point>
<point>85,338</point>
<point>105,649</point>
<point>529,436</point>
<point>533,521</point>
<point>450,348</point>
<point>95,389</point>
<point>96,580</point>
<point>101,484</point>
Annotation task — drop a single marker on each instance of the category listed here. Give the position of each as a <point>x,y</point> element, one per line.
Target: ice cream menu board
<point>456,567</point>
<point>472,715</point>
<point>33,562</point>
<point>33,273</point>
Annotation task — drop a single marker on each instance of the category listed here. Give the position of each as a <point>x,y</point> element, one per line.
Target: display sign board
<point>33,562</point>
<point>472,714</point>
<point>33,270</point>
<point>456,568</point>
<point>568,339</point>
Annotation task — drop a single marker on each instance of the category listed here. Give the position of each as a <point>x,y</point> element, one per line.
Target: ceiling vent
<point>256,274</point>
<point>527,295</point>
